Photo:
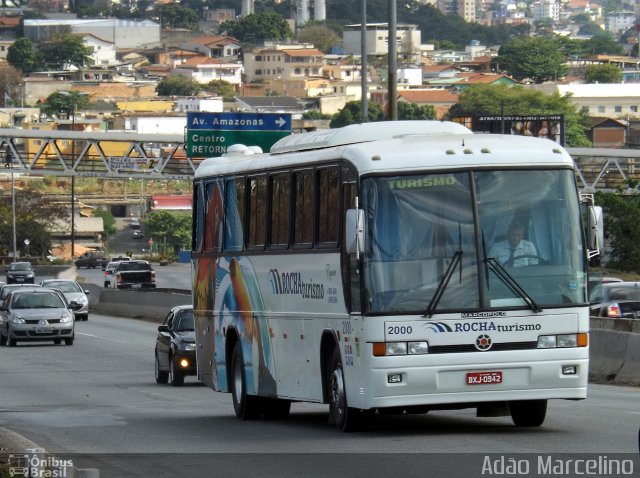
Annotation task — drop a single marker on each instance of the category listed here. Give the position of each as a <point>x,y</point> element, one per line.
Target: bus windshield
<point>499,228</point>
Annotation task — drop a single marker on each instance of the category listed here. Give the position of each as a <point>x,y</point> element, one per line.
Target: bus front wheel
<point>247,407</point>
<point>346,418</point>
<point>528,413</point>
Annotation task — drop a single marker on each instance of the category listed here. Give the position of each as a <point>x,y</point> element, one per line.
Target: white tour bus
<point>392,267</point>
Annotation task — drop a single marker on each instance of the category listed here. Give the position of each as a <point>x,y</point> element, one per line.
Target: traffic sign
<point>210,134</point>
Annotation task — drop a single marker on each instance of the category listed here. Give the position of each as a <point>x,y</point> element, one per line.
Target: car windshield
<point>66,286</point>
<point>624,293</point>
<point>7,289</point>
<point>20,266</point>
<point>134,266</point>
<point>37,300</point>
<point>186,321</point>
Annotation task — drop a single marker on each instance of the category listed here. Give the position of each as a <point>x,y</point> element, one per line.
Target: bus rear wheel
<point>247,407</point>
<point>347,419</point>
<point>528,413</point>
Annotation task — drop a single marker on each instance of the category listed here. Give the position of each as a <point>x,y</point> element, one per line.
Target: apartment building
<point>286,62</point>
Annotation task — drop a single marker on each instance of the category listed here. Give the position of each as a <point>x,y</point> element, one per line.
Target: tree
<point>502,100</point>
<point>351,114</point>
<point>65,49</point>
<point>173,15</point>
<point>177,86</point>
<point>536,58</point>
<point>413,111</point>
<point>258,27</point>
<point>221,88</point>
<point>621,223</point>
<point>322,37</point>
<point>108,222</point>
<point>34,213</point>
<point>23,56</point>
<point>11,84</point>
<point>68,102</point>
<point>603,74</point>
<point>172,229</point>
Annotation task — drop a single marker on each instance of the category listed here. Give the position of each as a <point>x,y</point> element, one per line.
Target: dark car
<point>615,300</point>
<point>20,273</point>
<point>36,314</point>
<point>175,354</point>
<point>137,234</point>
<point>91,260</point>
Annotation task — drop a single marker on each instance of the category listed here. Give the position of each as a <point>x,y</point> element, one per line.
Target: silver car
<point>75,295</point>
<point>36,314</point>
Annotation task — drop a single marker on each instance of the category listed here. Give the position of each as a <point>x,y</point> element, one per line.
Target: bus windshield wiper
<point>516,288</point>
<point>442,285</point>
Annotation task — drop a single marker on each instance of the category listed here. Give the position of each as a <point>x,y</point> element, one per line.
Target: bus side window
<point>280,202</point>
<point>198,218</point>
<point>303,208</point>
<point>328,207</point>
<point>234,214</point>
<point>257,212</point>
<point>213,216</point>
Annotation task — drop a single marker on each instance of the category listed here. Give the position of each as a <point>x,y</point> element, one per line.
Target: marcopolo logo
<point>292,283</point>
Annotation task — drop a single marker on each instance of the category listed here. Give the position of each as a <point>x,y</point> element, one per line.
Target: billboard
<point>542,126</point>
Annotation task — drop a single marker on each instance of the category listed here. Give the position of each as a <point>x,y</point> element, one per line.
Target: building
<point>122,33</point>
<point>288,62</point>
<point>214,46</point>
<point>377,39</point>
<point>615,100</point>
<point>204,69</point>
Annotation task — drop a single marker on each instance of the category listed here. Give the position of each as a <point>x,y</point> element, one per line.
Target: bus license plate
<point>484,378</point>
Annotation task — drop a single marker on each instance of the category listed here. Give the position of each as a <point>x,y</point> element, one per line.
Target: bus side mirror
<point>595,233</point>
<point>354,232</point>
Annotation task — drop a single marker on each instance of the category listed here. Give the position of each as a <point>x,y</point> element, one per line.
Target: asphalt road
<point>98,398</point>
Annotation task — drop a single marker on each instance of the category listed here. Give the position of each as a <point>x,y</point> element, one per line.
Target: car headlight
<point>65,319</point>
<point>189,347</point>
<point>29,275</point>
<point>17,320</point>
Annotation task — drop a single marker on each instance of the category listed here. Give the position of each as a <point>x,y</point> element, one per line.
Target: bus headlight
<point>563,341</point>
<point>418,348</point>
<point>396,348</point>
<point>382,349</point>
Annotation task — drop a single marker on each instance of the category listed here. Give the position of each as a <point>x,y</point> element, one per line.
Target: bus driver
<point>515,251</point>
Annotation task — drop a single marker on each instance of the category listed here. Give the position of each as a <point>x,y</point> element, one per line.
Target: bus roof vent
<point>242,150</point>
<point>364,132</point>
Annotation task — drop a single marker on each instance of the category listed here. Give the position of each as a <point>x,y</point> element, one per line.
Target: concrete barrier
<point>614,343</point>
<point>147,304</point>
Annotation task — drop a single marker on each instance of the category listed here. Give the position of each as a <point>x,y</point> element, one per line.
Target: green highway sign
<point>210,134</point>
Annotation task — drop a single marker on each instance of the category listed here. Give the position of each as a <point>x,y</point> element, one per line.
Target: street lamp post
<point>74,105</point>
<point>13,211</point>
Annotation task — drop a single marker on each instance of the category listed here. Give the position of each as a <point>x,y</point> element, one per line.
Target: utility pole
<point>392,89</point>
<point>363,64</point>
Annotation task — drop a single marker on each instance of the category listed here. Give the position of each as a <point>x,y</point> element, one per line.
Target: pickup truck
<point>132,275</point>
<point>91,260</point>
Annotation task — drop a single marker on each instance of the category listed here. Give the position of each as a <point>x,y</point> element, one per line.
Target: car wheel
<point>3,339</point>
<point>106,285</point>
<point>247,407</point>
<point>176,377</point>
<point>12,342</point>
<point>68,341</point>
<point>161,377</point>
